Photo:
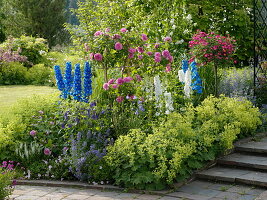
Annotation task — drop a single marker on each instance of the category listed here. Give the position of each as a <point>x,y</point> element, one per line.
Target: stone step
<point>234,176</point>
<point>253,147</point>
<point>242,160</point>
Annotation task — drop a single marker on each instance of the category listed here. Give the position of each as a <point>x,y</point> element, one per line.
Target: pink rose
<point>140,49</point>
<point>116,36</point>
<point>118,46</point>
<point>33,132</point>
<point>157,54</point>
<point>105,86</point>
<point>140,57</point>
<point>98,57</point>
<point>131,50</point>
<point>91,55</point>
<point>144,37</point>
<point>166,53</point>
<point>97,33</point>
<point>170,58</point>
<point>111,81</point>
<point>168,67</point>
<point>131,55</point>
<point>167,39</point>
<point>127,79</point>
<point>120,99</point>
<point>123,30</point>
<point>47,151</point>
<point>115,86</point>
<point>149,53</point>
<point>157,59</point>
<point>119,81</point>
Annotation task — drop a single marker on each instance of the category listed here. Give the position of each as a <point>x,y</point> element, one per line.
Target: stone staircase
<point>247,165</point>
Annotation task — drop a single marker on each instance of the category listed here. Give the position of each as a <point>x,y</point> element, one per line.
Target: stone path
<point>197,190</point>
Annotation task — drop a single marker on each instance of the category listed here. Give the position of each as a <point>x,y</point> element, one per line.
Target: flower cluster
<point>11,56</point>
<point>72,85</point>
<point>123,86</point>
<point>210,47</point>
<point>197,82</point>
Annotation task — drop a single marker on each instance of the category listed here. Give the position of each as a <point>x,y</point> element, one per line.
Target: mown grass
<point>11,94</point>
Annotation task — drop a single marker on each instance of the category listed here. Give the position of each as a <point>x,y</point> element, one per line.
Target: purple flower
<point>93,104</point>
<point>111,81</point>
<point>127,79</point>
<point>41,112</point>
<point>33,132</point>
<point>140,49</point>
<point>47,151</point>
<point>132,50</point>
<point>118,46</point>
<point>140,57</point>
<point>149,53</point>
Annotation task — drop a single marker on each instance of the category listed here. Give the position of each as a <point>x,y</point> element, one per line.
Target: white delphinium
<point>169,102</point>
<point>181,75</point>
<point>158,93</point>
<point>187,81</point>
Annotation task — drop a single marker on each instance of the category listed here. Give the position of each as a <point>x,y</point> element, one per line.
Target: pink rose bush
<point>126,49</point>
<point>211,47</point>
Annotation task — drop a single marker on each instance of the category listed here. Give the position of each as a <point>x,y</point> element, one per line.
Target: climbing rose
<point>144,37</point>
<point>123,30</point>
<point>119,81</point>
<point>131,50</point>
<point>98,57</point>
<point>118,46</point>
<point>105,86</point>
<point>166,53</point>
<point>115,86</point>
<point>111,81</point>
<point>140,49</point>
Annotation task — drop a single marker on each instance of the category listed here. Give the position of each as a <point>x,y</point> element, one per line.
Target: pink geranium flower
<point>98,57</point>
<point>118,46</point>
<point>120,99</point>
<point>47,151</point>
<point>33,132</point>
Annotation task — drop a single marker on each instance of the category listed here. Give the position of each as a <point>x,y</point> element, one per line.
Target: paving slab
<point>242,160</point>
<point>222,174</point>
<point>255,147</point>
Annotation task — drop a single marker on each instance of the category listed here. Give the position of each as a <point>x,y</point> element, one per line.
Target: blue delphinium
<point>59,80</point>
<point>87,85</point>
<point>185,65</point>
<point>68,78</point>
<point>77,83</point>
<point>196,80</point>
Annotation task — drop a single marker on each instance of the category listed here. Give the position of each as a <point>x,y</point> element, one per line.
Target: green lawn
<point>10,94</point>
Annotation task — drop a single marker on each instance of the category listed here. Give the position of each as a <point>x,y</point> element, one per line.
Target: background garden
<point>147,91</point>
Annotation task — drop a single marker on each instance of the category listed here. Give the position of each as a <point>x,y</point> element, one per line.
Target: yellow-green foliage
<point>180,144</point>
<point>16,128</point>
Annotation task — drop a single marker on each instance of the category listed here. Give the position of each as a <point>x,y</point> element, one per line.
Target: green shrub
<point>33,48</point>
<point>6,179</point>
<point>13,74</point>
<point>40,75</point>
<point>180,144</point>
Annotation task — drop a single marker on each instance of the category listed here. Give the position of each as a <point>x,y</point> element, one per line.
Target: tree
<point>42,18</point>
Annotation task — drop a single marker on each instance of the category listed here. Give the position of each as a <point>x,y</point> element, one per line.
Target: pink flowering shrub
<point>128,51</point>
<point>211,47</point>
